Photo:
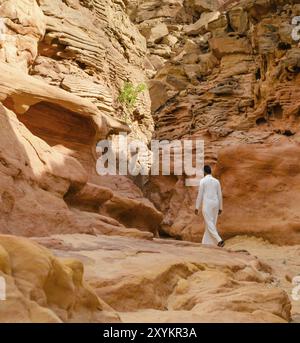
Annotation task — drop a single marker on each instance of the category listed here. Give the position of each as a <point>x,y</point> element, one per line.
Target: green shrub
<point>129,94</point>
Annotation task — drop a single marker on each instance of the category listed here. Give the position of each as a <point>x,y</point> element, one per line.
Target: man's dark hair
<point>207,169</point>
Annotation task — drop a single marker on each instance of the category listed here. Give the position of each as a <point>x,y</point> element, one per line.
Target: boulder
<point>40,288</point>
<point>201,25</point>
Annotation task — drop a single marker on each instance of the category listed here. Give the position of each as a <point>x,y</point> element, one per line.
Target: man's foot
<point>221,244</point>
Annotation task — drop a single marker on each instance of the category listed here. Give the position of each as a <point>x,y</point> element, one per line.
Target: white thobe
<point>210,198</point>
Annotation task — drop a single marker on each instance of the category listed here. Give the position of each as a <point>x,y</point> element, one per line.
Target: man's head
<point>207,170</point>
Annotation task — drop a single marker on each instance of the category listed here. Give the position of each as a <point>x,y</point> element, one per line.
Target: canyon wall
<point>92,252</point>
<point>226,77</point>
<point>64,64</point>
<point>230,78</point>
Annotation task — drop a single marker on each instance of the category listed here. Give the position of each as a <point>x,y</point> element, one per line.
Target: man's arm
<point>220,198</point>
<point>199,197</point>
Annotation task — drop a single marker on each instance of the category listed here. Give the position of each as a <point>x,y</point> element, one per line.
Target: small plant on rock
<point>129,94</point>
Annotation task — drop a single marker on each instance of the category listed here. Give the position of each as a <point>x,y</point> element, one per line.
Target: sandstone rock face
<point>61,78</point>
<point>172,281</point>
<point>23,26</point>
<point>42,289</point>
<point>231,79</point>
<point>216,70</point>
<point>267,205</point>
<point>35,178</point>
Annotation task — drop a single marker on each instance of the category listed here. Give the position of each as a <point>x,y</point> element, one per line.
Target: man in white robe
<point>210,198</point>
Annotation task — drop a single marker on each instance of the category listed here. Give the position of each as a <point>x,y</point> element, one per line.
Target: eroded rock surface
<point>40,288</point>
<point>63,66</point>
<point>284,261</point>
<point>230,78</point>
<point>173,281</point>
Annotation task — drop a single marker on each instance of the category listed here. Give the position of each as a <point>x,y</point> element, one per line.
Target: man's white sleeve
<point>200,196</point>
<point>220,197</point>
